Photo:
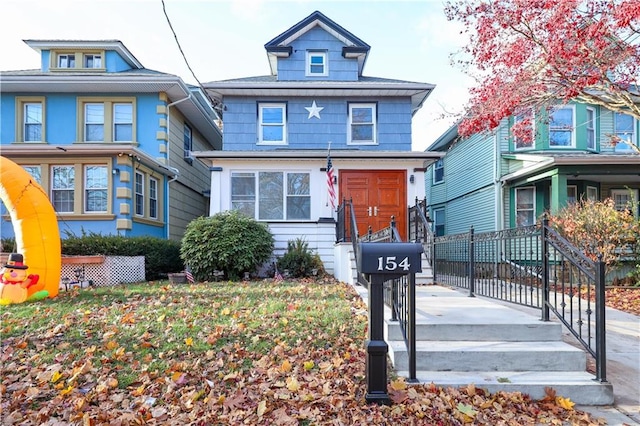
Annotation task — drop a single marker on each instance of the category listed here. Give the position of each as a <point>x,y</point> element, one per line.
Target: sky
<point>224,39</point>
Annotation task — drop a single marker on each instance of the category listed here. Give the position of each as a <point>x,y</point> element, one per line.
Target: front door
<point>377,195</point>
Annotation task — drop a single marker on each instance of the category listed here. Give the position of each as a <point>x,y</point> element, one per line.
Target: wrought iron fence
<point>531,266</point>
<point>420,227</point>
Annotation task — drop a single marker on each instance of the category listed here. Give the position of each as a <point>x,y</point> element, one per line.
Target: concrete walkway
<point>623,343</point>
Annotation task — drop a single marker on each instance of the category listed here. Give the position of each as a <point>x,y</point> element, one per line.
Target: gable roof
<point>280,46</point>
<point>117,45</point>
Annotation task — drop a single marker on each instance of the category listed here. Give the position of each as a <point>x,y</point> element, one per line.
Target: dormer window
<point>66,61</point>
<point>92,61</point>
<point>317,63</point>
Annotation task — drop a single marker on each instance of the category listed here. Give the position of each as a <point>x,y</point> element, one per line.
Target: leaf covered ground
<point>251,353</point>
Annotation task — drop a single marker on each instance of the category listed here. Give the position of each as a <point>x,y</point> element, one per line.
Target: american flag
<point>330,177</point>
<point>189,274</point>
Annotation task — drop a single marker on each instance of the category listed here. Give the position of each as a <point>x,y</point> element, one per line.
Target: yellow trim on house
<point>108,122</point>
<point>79,59</point>
<point>21,101</point>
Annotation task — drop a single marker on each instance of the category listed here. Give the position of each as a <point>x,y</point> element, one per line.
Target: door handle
<point>375,211</point>
<point>369,210</point>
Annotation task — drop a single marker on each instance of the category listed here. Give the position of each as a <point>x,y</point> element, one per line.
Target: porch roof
<point>298,154</point>
<point>598,165</point>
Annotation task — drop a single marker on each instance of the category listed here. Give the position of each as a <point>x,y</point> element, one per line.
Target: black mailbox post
<point>383,261</point>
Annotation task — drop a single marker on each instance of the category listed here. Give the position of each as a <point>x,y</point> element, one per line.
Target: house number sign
<point>390,258</point>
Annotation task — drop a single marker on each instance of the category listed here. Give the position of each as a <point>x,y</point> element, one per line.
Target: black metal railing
<point>531,266</point>
<point>420,228</point>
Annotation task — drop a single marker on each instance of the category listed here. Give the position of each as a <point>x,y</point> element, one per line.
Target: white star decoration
<point>314,110</point>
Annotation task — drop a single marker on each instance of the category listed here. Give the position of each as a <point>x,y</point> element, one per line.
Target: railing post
<point>472,265</point>
<point>411,332</point>
<point>601,350</point>
<point>415,222</point>
<point>377,348</point>
<point>544,237</point>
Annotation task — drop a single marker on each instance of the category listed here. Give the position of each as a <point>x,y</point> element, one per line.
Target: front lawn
<point>289,353</point>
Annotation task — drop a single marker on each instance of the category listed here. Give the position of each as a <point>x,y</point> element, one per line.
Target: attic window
<point>317,63</point>
<point>66,61</point>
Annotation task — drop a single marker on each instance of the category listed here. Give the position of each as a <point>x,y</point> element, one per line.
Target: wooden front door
<point>377,195</point>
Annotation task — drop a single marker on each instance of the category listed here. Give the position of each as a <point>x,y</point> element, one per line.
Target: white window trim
<point>325,64</point>
<point>374,123</point>
<point>436,213</point>
<point>435,167</point>
<point>72,190</point>
<point>86,122</point>
<point>85,189</point>
<point>516,203</point>
<point>154,199</point>
<point>283,106</point>
<point>285,195</point>
<point>115,122</point>
<point>591,128</point>
<point>573,129</point>
<point>85,57</point>
<point>634,133</point>
<point>634,197</point>
<point>595,191</point>
<point>136,193</point>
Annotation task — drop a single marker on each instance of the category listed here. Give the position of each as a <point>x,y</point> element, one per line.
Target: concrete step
<point>475,331</point>
<point>489,356</point>
<point>579,386</point>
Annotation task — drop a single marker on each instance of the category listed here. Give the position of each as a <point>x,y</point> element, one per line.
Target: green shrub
<point>229,241</point>
<point>161,256</point>
<point>299,260</point>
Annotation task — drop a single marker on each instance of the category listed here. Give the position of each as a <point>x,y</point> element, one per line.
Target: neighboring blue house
<point>278,127</point>
<point>494,181</point>
<point>108,139</point>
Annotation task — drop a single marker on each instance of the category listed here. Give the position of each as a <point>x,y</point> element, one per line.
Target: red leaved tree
<point>528,54</point>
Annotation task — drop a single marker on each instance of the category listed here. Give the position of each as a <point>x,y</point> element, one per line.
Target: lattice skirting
<point>111,271</point>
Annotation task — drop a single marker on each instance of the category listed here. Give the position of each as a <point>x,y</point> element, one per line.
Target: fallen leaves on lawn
<point>202,354</point>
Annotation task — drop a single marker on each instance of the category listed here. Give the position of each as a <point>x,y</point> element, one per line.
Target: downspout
<point>175,177</point>
<point>498,188</point>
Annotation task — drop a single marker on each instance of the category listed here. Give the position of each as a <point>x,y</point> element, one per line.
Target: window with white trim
<point>67,60</point>
<point>107,119</point>
<point>122,122</point>
<point>32,122</point>
<point>153,198</point>
<point>271,195</point>
<point>525,206</point>
<point>96,189</point>
<point>362,124</point>
<point>438,171</point>
<point>592,193</point>
<point>35,172</point>
<point>92,60</point>
<point>63,188</point>
<point>272,121</point>
<point>94,122</point>
<point>624,130</point>
<point>626,200</point>
<point>561,128</point>
<point>591,128</point>
<point>138,201</point>
<point>317,63</point>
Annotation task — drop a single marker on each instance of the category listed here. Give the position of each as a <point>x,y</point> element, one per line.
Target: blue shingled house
<point>278,128</point>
